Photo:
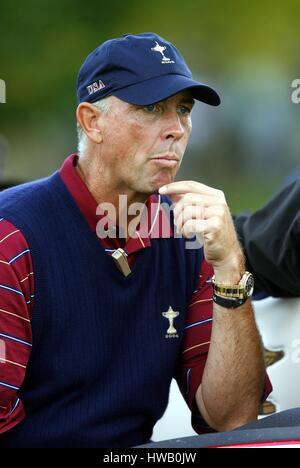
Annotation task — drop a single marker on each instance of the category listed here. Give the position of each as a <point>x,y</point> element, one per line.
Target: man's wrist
<point>231,271</point>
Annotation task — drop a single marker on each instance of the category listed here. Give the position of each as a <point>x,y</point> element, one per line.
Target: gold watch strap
<point>228,290</point>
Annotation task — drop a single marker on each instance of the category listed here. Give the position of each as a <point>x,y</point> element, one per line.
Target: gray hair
<point>103,105</point>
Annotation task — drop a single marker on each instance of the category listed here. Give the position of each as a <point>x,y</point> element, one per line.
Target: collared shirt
<point>17,298</point>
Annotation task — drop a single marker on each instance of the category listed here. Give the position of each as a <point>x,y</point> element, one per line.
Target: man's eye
<point>150,108</point>
<point>184,110</point>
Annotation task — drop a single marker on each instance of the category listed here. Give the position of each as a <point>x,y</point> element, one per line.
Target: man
<point>116,317</point>
<point>271,241</point>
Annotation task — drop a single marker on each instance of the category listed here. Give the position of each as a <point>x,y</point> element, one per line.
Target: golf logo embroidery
<point>160,49</point>
<point>171,315</point>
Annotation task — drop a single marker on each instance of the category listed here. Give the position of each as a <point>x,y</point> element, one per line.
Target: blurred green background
<point>249,51</point>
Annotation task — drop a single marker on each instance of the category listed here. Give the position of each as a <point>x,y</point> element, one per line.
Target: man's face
<point>143,146</point>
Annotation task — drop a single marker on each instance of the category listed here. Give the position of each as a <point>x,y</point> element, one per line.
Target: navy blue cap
<point>139,69</point>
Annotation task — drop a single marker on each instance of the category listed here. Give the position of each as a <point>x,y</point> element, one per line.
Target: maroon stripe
<point>11,306</point>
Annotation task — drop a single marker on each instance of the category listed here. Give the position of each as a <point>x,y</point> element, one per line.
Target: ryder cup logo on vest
<point>2,92</point>
<point>94,87</point>
<point>160,49</point>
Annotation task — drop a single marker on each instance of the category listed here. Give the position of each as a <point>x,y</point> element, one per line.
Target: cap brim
<point>164,86</point>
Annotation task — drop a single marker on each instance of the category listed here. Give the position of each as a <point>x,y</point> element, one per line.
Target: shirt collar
<point>158,220</point>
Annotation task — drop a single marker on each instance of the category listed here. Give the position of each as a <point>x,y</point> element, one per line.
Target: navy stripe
<point>11,289</point>
<point>15,407</point>
<point>9,386</point>
<point>12,338</point>
<point>188,380</point>
<point>18,256</point>
<point>198,323</point>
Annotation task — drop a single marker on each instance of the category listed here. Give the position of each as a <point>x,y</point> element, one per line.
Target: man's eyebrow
<point>188,100</point>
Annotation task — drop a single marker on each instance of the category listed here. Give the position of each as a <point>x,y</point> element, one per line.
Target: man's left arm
<point>232,385</point>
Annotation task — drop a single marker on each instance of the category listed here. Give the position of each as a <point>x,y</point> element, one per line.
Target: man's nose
<point>173,128</point>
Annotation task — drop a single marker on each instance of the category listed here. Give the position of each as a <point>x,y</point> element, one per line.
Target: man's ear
<point>88,119</point>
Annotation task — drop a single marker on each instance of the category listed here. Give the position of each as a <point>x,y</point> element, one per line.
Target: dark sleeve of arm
<point>271,241</point>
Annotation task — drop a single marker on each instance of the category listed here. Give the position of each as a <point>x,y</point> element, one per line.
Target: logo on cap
<point>94,87</point>
<point>161,49</point>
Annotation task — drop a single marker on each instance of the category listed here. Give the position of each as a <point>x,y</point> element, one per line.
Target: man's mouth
<point>166,160</point>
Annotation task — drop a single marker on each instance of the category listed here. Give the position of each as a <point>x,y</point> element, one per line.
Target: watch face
<point>249,288</point>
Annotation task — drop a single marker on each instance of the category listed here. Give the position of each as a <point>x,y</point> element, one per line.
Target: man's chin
<point>162,179</point>
<point>150,186</point>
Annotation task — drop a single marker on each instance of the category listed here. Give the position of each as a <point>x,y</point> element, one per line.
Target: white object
<point>278,321</point>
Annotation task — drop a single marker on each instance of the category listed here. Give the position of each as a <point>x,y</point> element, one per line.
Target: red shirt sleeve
<point>196,343</point>
<point>16,301</point>
<point>195,347</point>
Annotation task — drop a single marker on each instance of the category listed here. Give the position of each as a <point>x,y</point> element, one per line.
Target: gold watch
<point>232,296</point>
